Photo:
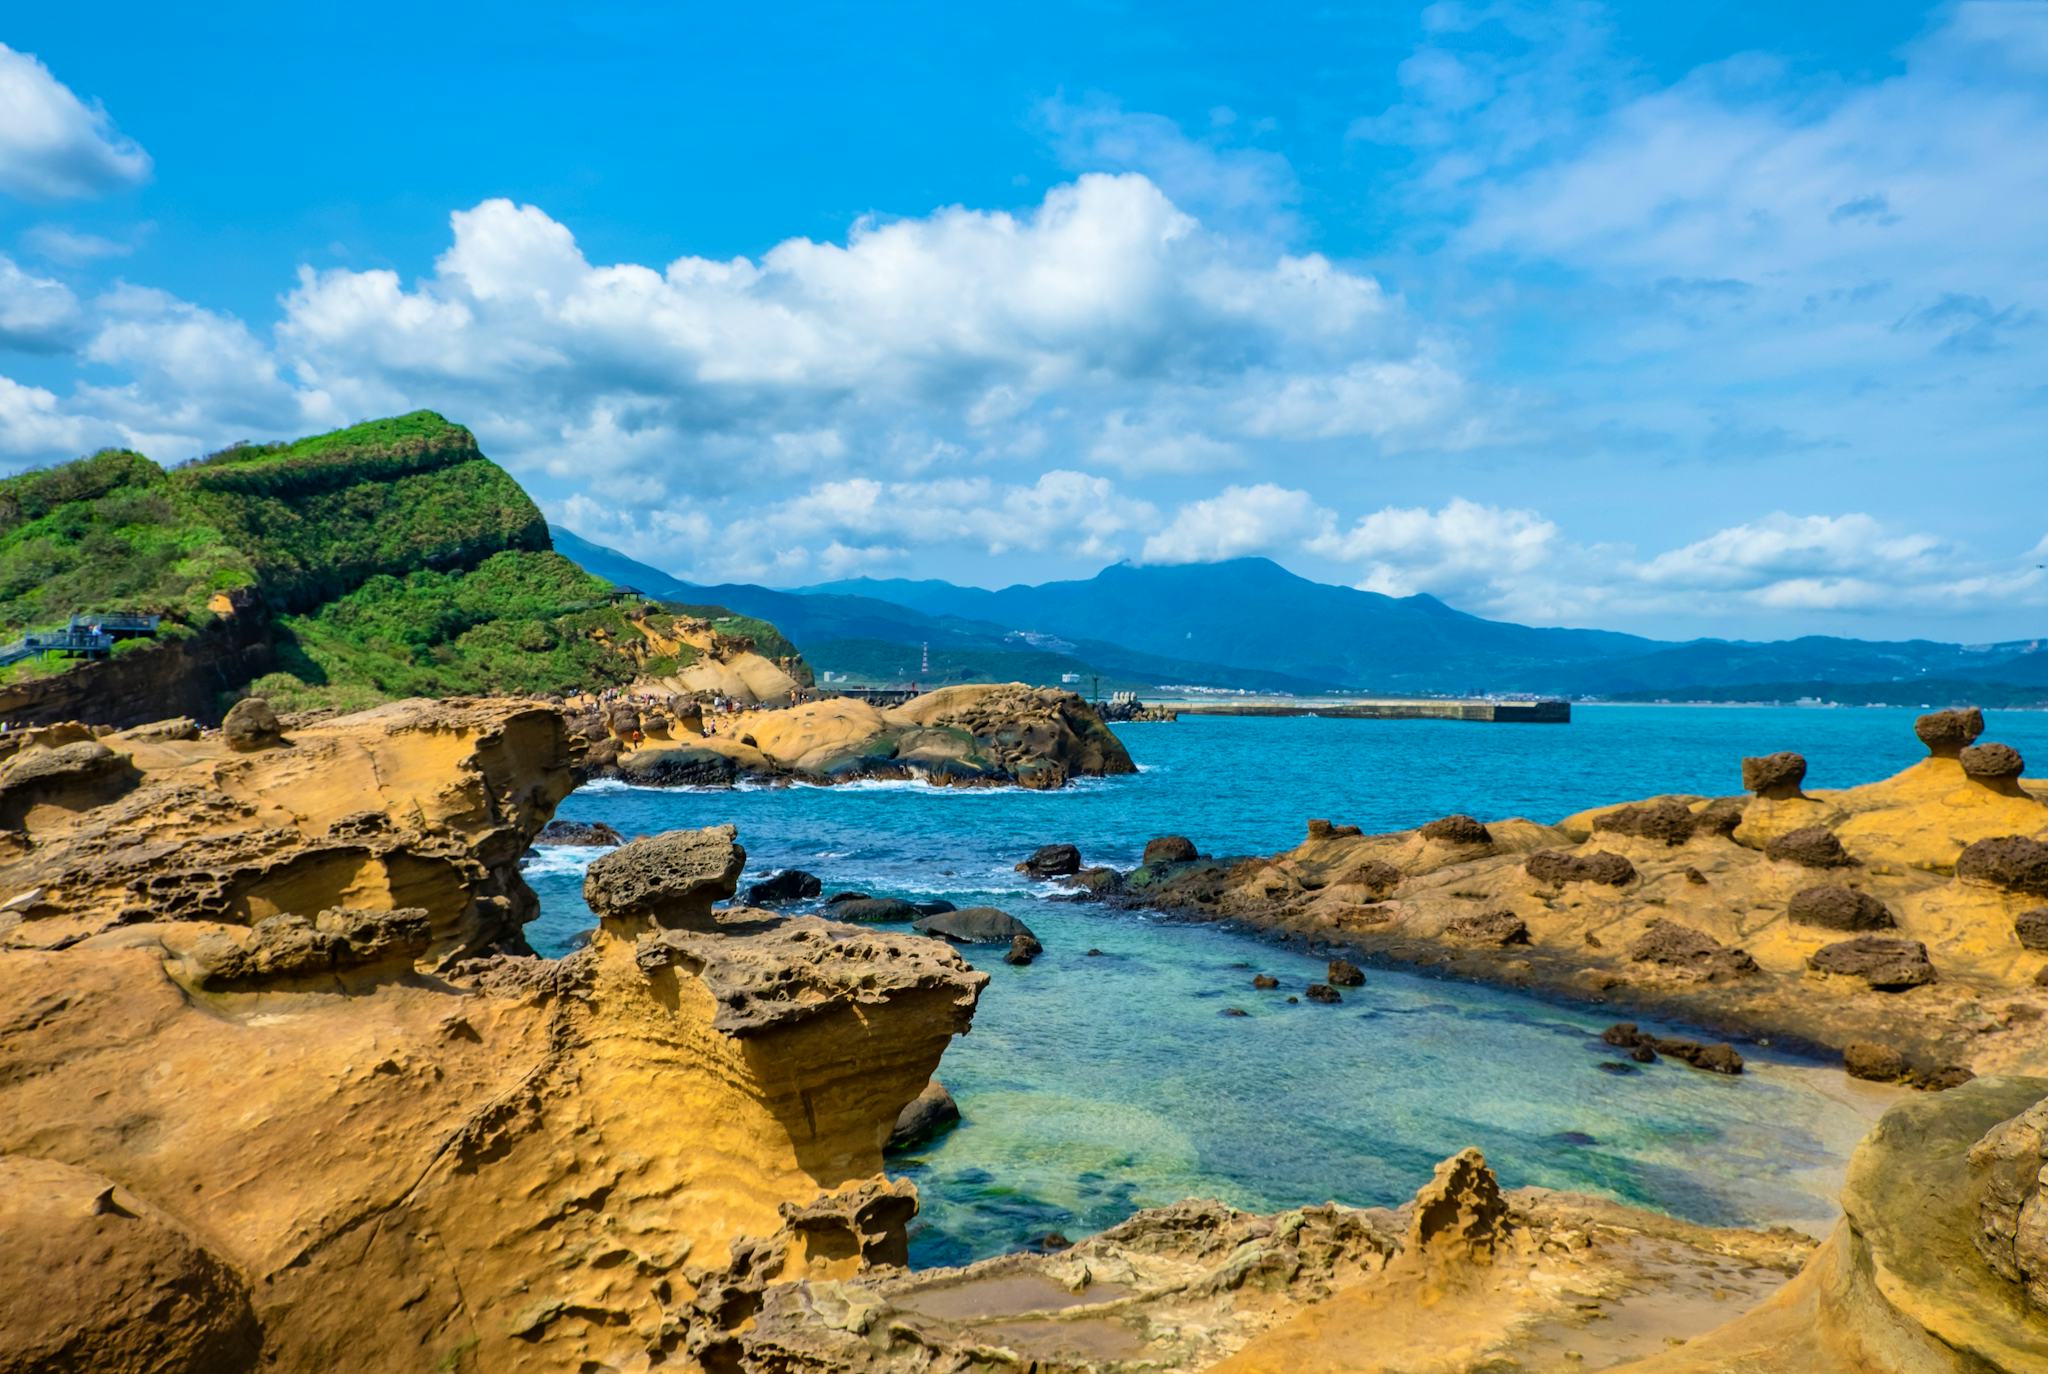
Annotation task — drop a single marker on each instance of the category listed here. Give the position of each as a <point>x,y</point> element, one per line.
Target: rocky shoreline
<point>282,1088</point>
<point>1892,925</point>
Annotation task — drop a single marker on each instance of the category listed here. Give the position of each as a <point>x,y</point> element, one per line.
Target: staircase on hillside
<point>85,636</point>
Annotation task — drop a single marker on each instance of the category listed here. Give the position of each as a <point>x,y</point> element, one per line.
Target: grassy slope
<point>394,558</point>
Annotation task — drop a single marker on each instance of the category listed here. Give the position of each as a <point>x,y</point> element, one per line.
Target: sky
<point>1717,319</point>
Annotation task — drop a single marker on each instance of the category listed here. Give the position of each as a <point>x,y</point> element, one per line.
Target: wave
<point>563,860</point>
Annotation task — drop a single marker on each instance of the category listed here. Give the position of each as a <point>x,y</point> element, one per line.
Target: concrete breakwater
<point>1551,712</point>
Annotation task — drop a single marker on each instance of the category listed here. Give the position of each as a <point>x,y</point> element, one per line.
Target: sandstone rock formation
<point>967,736</point>
<point>277,1074</point>
<point>1947,733</point>
<point>1774,776</point>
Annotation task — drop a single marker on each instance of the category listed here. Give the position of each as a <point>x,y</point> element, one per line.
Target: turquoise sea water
<point>1093,1086</point>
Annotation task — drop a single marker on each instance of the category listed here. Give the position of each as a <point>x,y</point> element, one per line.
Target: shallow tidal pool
<point>1095,1085</point>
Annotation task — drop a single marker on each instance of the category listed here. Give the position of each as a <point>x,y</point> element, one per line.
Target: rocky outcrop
<point>1690,953</point>
<point>2008,1173</point>
<point>578,834</point>
<point>1456,829</point>
<point>1887,965</point>
<point>1051,861</point>
<point>1947,733</point>
<point>1812,845</point>
<point>276,1075</point>
<point>968,736</point>
<point>1667,819</point>
<point>251,725</point>
<point>2014,862</point>
<point>1600,866</point>
<point>1169,849</point>
<point>1776,777</point>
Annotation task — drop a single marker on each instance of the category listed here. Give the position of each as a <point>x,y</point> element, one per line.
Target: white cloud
<point>1265,518</point>
<point>57,243</point>
<point>37,314</point>
<point>1804,555</point>
<point>1465,550</point>
<point>53,146</point>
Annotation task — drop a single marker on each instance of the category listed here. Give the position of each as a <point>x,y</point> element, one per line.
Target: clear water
<point>1094,1086</point>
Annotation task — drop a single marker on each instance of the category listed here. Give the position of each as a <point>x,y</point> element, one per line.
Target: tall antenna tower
<point>924,667</point>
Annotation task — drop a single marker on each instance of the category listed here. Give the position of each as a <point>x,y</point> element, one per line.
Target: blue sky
<point>1710,319</point>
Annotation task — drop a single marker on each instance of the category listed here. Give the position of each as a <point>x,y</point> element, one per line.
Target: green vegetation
<point>518,623</point>
<point>389,559</point>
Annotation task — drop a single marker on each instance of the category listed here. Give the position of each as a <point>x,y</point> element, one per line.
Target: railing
<point>88,636</point>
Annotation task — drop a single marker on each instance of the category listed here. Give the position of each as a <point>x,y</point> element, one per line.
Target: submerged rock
<point>977,925</point>
<point>1023,949</point>
<point>1323,992</point>
<point>1265,980</point>
<point>1645,1048</point>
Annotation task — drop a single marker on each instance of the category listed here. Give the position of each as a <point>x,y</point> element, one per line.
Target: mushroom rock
<point>1887,965</point>
<point>1666,819</point>
<point>1947,733</point>
<point>251,724</point>
<point>1832,907</point>
<point>1691,953</point>
<point>669,880</point>
<point>2014,862</point>
<point>1774,776</point>
<point>1993,762</point>
<point>1557,868</point>
<point>1456,829</point>
<point>1815,846</point>
<point>1169,849</point>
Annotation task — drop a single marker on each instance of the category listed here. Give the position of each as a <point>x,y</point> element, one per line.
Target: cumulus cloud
<point>54,146</point>
<point>1464,549</point>
<point>37,314</point>
<point>1237,521</point>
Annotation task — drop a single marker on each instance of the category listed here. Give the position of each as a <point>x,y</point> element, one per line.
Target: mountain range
<point>1250,623</point>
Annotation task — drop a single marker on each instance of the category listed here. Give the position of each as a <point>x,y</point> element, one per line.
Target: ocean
<point>1092,1086</point>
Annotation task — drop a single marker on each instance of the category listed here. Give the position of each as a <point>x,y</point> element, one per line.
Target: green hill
<point>384,560</point>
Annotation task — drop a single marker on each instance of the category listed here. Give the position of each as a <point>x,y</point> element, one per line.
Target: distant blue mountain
<point>1249,622</point>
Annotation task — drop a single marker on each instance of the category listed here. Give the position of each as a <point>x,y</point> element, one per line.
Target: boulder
<point>1345,974</point>
<point>1323,992</point>
<point>1777,776</point>
<point>251,725</point>
<point>1947,733</point>
<point>1644,1048</point>
<point>977,925</point>
<point>1098,881</point>
<point>1556,867</point>
<point>1667,819</point>
<point>1693,953</point>
<point>578,833</point>
<point>1876,1063</point>
<point>1052,861</point>
<point>1168,849</point>
<point>1489,928</point>
<point>924,1116</point>
<point>1023,949</point>
<point>1993,762</point>
<point>2032,928</point>
<point>936,907</point>
<point>1265,980</point>
<point>790,885</point>
<point>2010,861</point>
<point>1888,965</point>
<point>1831,907</point>
<point>1456,829</point>
<point>668,880</point>
<point>1815,846</point>
<point>871,910</point>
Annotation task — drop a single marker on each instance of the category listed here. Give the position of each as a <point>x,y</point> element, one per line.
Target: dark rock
<point>2032,928</point>
<point>1839,908</point>
<point>1323,992</point>
<point>927,1114</point>
<point>1023,949</point>
<point>1094,954</point>
<point>1812,845</point>
<point>1666,819</point>
<point>938,906</point>
<point>846,897</point>
<point>1378,876</point>
<point>670,879</point>
<point>2041,976</point>
<point>578,833</point>
<point>1573,1138</point>
<point>1720,816</point>
<point>1457,829</point>
<point>1695,877</point>
<point>1774,775</point>
<point>1489,928</point>
<point>869,910</point>
<point>1170,849</point>
<point>1614,1066</point>
<point>977,925</point>
<point>1692,952</point>
<point>790,885</point>
<point>1557,867</point>
<point>1052,861</point>
<point>250,725</point>
<point>1993,762</point>
<point>1235,1011</point>
<point>1098,881</point>
<point>1645,1048</point>
<point>1942,1079</point>
<point>2010,861</point>
<point>1292,1000</point>
<point>1345,974</point>
<point>1888,965</point>
<point>1877,1063</point>
<point>1323,830</point>
<point>678,765</point>
<point>1265,980</point>
<point>1947,733</point>
<point>1049,1242</point>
